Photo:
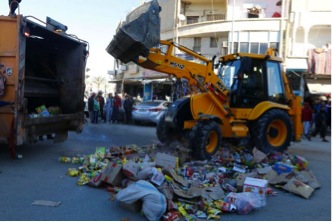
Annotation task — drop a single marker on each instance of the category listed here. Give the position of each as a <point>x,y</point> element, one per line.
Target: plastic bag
<point>154,202</point>
<point>244,202</point>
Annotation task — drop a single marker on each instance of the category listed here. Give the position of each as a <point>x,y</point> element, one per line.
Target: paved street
<point>39,176</point>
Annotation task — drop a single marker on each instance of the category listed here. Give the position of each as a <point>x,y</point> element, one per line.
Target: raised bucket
<point>138,34</point>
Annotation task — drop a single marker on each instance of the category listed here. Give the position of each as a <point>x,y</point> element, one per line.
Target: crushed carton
<point>257,186</point>
<point>166,160</point>
<point>112,174</point>
<point>297,187</point>
<point>131,169</point>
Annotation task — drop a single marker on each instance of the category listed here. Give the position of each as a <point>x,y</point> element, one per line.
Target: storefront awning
<point>319,86</point>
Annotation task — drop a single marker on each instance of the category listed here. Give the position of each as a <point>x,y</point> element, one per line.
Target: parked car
<point>150,111</point>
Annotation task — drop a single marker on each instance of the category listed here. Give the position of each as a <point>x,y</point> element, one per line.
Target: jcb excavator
<point>248,98</point>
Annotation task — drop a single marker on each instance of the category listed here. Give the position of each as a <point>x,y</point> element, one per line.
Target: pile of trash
<point>171,186</point>
<point>42,111</point>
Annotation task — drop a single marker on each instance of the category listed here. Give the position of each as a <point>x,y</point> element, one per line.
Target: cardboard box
<point>112,174</point>
<point>157,177</point>
<point>131,169</point>
<point>165,160</point>
<point>258,186</point>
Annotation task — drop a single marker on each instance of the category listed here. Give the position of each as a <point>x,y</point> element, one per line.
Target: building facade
<point>300,29</point>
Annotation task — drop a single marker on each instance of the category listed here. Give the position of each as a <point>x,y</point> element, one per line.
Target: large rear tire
<point>205,139</point>
<point>273,131</point>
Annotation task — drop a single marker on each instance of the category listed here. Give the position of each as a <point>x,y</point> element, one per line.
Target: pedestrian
<point>90,107</point>
<point>307,117</point>
<point>13,5</point>
<point>328,114</point>
<point>101,101</point>
<point>320,124</point>
<point>116,108</point>
<point>109,108</point>
<point>96,110</point>
<point>128,108</point>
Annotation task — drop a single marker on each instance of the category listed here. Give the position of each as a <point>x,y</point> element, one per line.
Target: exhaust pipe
<point>138,34</point>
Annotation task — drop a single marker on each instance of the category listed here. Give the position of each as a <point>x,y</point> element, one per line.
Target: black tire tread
<point>260,127</point>
<point>198,137</point>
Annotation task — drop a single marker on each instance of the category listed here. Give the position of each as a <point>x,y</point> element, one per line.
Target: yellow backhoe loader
<point>249,97</point>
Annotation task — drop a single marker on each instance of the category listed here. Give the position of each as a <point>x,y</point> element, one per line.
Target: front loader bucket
<point>140,32</point>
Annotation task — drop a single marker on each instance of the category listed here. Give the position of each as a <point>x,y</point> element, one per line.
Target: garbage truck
<point>42,80</point>
<point>248,100</point>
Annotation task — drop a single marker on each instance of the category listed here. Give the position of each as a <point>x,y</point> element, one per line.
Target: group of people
<point>109,110</point>
<point>316,118</point>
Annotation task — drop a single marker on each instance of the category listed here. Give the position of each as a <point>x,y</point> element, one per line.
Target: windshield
<point>227,72</point>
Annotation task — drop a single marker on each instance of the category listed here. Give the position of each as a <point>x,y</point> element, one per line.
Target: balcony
<point>208,28</point>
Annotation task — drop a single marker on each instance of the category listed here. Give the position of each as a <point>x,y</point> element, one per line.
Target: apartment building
<point>298,28</point>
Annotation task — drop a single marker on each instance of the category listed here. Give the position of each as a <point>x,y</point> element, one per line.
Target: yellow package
<point>73,172</point>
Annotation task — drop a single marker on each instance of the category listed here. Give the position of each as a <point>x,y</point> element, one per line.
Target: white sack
<point>154,202</point>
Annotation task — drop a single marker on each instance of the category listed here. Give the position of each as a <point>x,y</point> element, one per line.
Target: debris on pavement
<point>46,203</point>
<point>164,183</point>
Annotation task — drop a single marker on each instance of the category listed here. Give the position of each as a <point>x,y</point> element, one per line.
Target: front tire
<point>205,139</point>
<point>273,131</point>
<point>163,132</point>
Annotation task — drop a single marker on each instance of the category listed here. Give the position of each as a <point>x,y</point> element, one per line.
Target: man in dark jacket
<point>101,101</point>
<point>320,124</point>
<point>90,106</point>
<point>128,107</point>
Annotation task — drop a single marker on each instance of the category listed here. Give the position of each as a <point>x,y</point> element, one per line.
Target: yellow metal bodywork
<point>213,98</point>
<point>10,43</point>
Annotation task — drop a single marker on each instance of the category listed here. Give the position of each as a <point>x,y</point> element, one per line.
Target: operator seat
<point>255,84</point>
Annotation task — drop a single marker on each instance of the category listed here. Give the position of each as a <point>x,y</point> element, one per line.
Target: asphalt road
<point>39,176</point>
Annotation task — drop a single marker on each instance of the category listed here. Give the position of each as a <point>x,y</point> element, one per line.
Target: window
<point>213,42</point>
<point>192,19</point>
<point>244,47</point>
<point>262,48</point>
<point>235,47</point>
<point>254,47</point>
<point>197,45</point>
<point>275,83</point>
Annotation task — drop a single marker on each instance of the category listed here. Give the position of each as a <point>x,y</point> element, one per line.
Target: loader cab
<point>252,81</point>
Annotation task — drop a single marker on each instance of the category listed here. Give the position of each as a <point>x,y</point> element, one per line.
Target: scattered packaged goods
<point>235,182</point>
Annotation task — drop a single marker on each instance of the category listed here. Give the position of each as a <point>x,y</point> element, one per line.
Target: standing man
<point>128,107</point>
<point>90,106</point>
<point>13,4</point>
<point>109,107</point>
<point>320,124</point>
<point>101,101</point>
<point>307,117</point>
<point>116,107</point>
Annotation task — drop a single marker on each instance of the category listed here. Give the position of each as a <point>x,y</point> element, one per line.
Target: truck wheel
<point>273,131</point>
<point>205,139</point>
<point>163,132</point>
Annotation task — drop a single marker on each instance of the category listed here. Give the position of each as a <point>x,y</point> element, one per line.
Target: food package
<point>73,172</point>
<point>112,174</point>
<point>257,186</point>
<point>281,167</point>
<point>244,202</point>
<point>300,162</point>
<point>131,169</point>
<point>42,111</point>
<point>297,187</point>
